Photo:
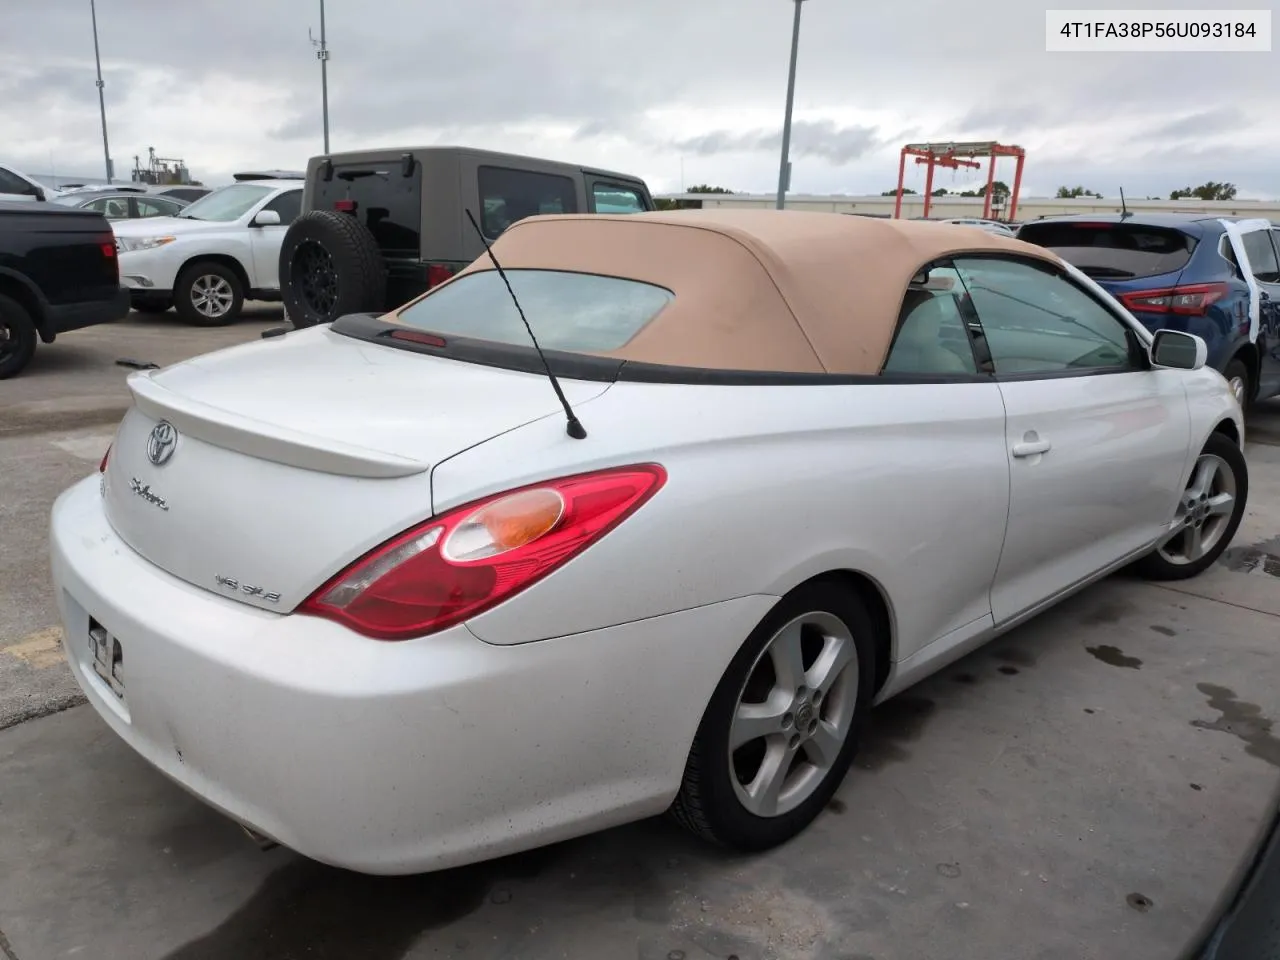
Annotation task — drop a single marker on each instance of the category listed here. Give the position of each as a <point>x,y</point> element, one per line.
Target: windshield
<point>575,312</point>
<point>229,203</point>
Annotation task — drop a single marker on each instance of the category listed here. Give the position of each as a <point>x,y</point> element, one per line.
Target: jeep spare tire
<point>330,265</point>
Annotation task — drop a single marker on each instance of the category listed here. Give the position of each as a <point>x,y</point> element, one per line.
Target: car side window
<point>510,195</point>
<point>931,337</point>
<point>615,198</point>
<point>1262,256</point>
<point>1036,321</point>
<point>114,208</point>
<point>12,183</point>
<point>155,208</point>
<point>288,205</point>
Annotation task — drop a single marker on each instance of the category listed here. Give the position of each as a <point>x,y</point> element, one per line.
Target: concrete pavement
<point>76,382</point>
<point>56,421</point>
<point>1083,788</point>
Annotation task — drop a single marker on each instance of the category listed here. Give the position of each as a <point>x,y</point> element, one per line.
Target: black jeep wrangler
<point>380,227</point>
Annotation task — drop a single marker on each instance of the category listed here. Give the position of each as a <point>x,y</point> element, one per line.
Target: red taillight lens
<point>1190,299</point>
<point>345,206</point>
<point>437,273</point>
<point>415,336</point>
<point>457,565</point>
<point>102,467</point>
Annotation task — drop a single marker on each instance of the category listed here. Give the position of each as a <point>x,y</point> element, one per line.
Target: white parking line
<point>86,448</point>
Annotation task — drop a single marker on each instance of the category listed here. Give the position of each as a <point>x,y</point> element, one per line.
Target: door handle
<point>1031,447</point>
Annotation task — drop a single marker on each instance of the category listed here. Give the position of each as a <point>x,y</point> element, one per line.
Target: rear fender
<point>22,289</point>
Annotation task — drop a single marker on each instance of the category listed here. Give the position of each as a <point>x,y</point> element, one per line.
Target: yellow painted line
<point>41,650</point>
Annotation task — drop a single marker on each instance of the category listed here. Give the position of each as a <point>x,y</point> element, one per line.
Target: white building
<point>947,207</point>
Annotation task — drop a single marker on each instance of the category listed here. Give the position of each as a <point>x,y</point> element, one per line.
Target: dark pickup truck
<point>58,272</point>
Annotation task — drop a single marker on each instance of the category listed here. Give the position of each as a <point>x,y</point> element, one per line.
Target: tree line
<point>1212,190</point>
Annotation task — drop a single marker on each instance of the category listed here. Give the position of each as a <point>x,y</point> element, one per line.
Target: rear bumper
<point>62,318</point>
<point>387,757</point>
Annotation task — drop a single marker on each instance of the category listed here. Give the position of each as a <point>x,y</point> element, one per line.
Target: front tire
<point>17,337</point>
<point>1208,515</point>
<point>782,727</point>
<point>1237,374</point>
<point>208,294</point>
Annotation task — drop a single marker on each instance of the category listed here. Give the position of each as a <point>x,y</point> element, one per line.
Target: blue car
<point>1216,277</point>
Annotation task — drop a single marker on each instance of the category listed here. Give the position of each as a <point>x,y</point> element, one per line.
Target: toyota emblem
<point>161,443</point>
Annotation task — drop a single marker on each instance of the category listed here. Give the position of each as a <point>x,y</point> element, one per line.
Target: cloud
<point>667,90</point>
<point>1194,126</point>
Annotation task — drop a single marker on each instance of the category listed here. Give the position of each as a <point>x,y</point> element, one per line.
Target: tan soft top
<point>761,290</point>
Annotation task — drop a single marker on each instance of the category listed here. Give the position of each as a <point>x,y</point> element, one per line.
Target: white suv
<point>15,186</point>
<point>220,251</point>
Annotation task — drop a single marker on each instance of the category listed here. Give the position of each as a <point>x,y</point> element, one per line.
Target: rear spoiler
<point>256,438</point>
<point>250,175</point>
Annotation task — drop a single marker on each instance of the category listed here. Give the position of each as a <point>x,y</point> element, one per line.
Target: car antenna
<point>1124,211</point>
<point>574,426</point>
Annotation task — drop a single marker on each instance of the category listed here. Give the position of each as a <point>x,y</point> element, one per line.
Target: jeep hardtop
<point>381,227</point>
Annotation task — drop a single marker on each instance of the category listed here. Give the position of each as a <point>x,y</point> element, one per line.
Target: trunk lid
<point>287,458</point>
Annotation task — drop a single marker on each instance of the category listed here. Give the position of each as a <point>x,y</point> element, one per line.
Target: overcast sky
<point>644,87</point>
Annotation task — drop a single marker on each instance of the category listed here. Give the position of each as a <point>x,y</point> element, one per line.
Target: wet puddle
<point>1261,557</point>
<point>1114,656</point>
<point>899,720</point>
<point>1242,720</point>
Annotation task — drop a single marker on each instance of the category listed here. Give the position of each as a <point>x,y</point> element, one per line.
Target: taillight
<point>102,467</point>
<point>1189,299</point>
<point>466,561</point>
<point>416,336</point>
<point>437,273</point>
<point>345,206</point>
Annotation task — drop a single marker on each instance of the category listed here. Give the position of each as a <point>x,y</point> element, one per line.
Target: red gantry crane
<point>952,156</point>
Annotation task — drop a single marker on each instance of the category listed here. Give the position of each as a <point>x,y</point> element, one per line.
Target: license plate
<point>108,658</point>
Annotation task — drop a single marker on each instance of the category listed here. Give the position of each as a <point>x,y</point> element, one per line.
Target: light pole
<point>102,103</point>
<point>784,172</point>
<point>323,56</point>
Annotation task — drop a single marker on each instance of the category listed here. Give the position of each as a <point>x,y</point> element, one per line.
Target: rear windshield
<point>386,201</point>
<point>573,312</point>
<point>1114,251</point>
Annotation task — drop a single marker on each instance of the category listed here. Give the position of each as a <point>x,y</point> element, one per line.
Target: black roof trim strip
<point>575,366</point>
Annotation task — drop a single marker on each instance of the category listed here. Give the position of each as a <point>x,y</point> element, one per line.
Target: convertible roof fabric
<point>758,290</point>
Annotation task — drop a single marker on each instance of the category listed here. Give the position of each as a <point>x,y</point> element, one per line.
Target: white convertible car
<point>398,596</point>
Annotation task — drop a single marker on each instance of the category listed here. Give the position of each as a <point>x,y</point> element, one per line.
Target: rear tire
<point>1220,472</point>
<point>330,265</point>
<point>208,294</point>
<point>724,796</point>
<point>17,337</point>
<point>1241,383</point>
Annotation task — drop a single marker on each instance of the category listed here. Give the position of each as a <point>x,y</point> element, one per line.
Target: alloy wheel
<point>8,340</point>
<point>315,277</point>
<point>794,714</point>
<point>212,296</point>
<point>1204,512</point>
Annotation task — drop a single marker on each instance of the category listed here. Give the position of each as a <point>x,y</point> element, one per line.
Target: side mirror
<point>37,192</point>
<point>267,218</point>
<point>1180,351</point>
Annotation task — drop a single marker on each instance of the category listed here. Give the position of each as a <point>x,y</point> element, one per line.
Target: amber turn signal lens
<point>505,524</point>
